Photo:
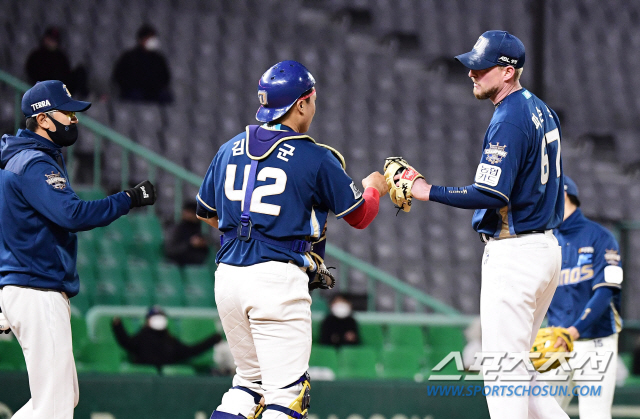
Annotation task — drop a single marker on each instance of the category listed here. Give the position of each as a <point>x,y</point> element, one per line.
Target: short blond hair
<point>519,71</point>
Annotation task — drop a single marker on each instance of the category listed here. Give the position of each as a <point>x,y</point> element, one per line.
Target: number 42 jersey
<point>521,165</point>
<point>298,182</point>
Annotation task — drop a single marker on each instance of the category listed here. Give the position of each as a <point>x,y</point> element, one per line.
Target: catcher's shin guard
<point>299,408</point>
<point>242,402</point>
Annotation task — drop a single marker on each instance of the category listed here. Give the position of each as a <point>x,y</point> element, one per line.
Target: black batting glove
<point>142,194</point>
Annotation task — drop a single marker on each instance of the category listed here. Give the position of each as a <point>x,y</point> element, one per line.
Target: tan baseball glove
<point>400,190</point>
<point>544,344</point>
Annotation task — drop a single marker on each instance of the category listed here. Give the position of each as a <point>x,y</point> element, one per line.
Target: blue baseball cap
<point>494,48</point>
<point>570,186</point>
<point>48,95</point>
<point>280,87</point>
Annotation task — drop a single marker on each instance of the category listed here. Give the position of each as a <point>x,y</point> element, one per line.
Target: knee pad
<point>299,407</point>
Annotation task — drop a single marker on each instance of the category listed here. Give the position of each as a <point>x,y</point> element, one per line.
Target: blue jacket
<point>40,213</point>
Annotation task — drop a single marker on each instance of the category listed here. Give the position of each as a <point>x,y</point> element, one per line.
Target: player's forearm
<point>213,222</point>
<point>362,216</point>
<point>467,197</point>
<point>596,306</point>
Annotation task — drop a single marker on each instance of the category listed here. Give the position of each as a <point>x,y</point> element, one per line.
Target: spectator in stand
<point>339,328</point>
<point>142,73</point>
<point>154,345</point>
<point>186,244</point>
<point>49,62</point>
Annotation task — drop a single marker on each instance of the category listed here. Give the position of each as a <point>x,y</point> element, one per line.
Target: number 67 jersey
<point>521,165</point>
<point>298,182</point>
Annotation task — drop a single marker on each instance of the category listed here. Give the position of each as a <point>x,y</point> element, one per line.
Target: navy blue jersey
<point>590,260</point>
<point>41,213</point>
<point>298,183</point>
<point>521,164</point>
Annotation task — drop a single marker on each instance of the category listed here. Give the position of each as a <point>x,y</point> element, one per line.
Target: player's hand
<point>143,194</point>
<point>574,335</point>
<point>421,190</point>
<point>376,180</point>
<point>4,324</point>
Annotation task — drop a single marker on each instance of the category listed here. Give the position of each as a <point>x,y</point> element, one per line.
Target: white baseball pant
<point>519,278</point>
<point>41,321</point>
<point>592,407</point>
<point>265,311</point>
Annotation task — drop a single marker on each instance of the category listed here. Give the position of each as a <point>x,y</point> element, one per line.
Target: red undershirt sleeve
<point>362,216</point>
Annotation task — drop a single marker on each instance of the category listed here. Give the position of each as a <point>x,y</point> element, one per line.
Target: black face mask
<point>64,135</point>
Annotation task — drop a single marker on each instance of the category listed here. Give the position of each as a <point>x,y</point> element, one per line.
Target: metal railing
<point>181,176</point>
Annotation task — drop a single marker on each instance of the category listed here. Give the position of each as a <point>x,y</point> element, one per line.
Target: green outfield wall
<point>157,397</point>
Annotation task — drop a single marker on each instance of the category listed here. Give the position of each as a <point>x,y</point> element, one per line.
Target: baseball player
<point>40,215</point>
<point>270,190</point>
<point>587,301</point>
<point>518,198</point>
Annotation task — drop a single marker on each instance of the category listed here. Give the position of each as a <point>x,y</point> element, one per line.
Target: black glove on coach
<point>142,194</point>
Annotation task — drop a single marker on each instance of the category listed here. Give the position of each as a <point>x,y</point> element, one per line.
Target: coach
<point>39,215</point>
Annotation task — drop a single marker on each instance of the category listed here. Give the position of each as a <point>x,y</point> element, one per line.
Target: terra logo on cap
<point>48,95</point>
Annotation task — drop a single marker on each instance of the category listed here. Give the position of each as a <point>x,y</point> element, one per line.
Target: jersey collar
<point>574,222</point>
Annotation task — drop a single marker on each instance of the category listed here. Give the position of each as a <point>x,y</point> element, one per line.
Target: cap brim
<point>473,62</point>
<point>271,114</point>
<point>74,106</point>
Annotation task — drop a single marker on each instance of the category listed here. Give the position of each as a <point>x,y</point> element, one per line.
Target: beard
<point>486,94</point>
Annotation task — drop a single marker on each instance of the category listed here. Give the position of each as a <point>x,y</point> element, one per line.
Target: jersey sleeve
<point>607,267</point>
<point>336,190</point>
<point>505,148</point>
<point>47,191</point>
<point>206,197</point>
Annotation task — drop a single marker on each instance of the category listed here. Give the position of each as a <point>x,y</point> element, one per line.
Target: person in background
<point>186,244</point>
<point>339,328</point>
<point>49,62</point>
<point>142,73</point>
<point>154,345</point>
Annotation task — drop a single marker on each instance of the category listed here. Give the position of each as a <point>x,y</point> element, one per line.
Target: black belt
<point>484,237</point>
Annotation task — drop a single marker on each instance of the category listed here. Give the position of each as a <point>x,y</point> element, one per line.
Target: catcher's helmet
<point>280,87</point>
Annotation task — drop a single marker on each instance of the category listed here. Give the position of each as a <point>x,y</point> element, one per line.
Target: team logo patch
<point>409,174</point>
<point>588,249</point>
<point>262,97</point>
<point>612,257</point>
<point>495,153</point>
<point>64,86</point>
<point>356,192</point>
<point>56,180</point>
<point>488,175</point>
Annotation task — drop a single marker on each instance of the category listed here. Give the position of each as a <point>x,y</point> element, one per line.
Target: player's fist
<point>4,324</point>
<point>142,194</point>
<point>376,180</point>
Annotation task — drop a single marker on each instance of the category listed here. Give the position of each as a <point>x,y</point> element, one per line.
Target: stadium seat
<point>371,335</point>
<point>147,237</point>
<point>198,287</point>
<point>11,358</point>
<point>406,336</point>
<point>120,231</point>
<point>357,362</point>
<point>101,357</point>
<point>324,356</point>
<point>103,332</point>
<point>79,334</point>
<point>89,194</point>
<point>194,330</point>
<point>446,338</point>
<point>110,285</point>
<point>129,368</point>
<point>169,291</point>
<point>316,330</point>
<point>111,252</point>
<point>185,370</point>
<point>401,362</point>
<point>318,304</point>
<point>139,285</point>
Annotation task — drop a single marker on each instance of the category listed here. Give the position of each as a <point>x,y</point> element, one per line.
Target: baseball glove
<point>400,193</point>
<point>544,344</point>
